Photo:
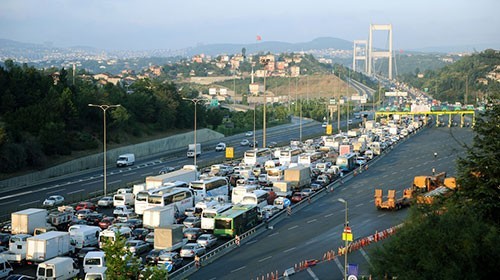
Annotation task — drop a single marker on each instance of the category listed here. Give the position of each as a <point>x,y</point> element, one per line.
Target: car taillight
<point>192,252</point>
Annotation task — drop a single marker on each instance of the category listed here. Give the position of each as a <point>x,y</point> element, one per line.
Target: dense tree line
<point>458,237</point>
<point>451,82</point>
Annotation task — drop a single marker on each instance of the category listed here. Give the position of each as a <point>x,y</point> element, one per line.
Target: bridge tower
<point>360,52</point>
<point>379,54</point>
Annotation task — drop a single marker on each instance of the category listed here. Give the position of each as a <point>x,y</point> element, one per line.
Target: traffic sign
<point>169,266</point>
<point>229,152</point>
<point>286,202</point>
<point>333,101</point>
<point>329,129</point>
<point>347,234</point>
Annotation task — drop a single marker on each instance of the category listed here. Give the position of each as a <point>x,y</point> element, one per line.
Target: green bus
<point>236,221</point>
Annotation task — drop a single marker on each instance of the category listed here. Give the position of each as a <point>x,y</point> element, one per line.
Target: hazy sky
<point>167,24</point>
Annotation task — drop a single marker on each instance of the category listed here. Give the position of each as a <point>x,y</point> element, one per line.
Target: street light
<point>104,108</point>
<point>346,241</point>
<point>195,101</point>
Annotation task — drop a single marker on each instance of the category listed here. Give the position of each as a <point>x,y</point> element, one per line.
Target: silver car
<point>137,247</point>
<point>106,201</point>
<point>191,250</point>
<point>207,240</point>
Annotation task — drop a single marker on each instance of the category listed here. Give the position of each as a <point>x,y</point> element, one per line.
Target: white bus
<point>257,197</point>
<point>216,187</point>
<point>309,158</point>
<point>141,198</point>
<point>240,191</point>
<point>276,173</point>
<point>208,215</point>
<point>182,198</point>
<point>289,156</point>
<point>257,156</point>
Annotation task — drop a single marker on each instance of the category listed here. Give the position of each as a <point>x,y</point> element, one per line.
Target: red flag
<point>258,38</point>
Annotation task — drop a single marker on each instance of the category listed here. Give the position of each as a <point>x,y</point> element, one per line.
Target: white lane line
<point>372,200</point>
<point>360,191</point>
<point>27,203</point>
<point>56,191</point>
<point>385,175</point>
<point>96,192</point>
<point>273,234</point>
<point>251,241</point>
<point>312,274</point>
<point>12,201</point>
<point>326,216</point>
<point>367,258</point>
<point>240,268</point>
<point>213,278</point>
<point>288,250</point>
<point>411,168</point>
<point>394,173</point>
<point>339,265</point>
<point>266,258</point>
<point>311,221</point>
<point>361,204</point>
<point>381,215</point>
<point>14,195</point>
<point>129,173</point>
<point>146,174</point>
<point>90,183</point>
<point>77,191</point>
<point>290,228</point>
<point>114,182</point>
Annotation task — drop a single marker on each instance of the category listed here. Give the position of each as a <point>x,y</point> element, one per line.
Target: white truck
<point>123,197</point>
<point>25,221</point>
<point>84,235</point>
<point>283,188</point>
<point>187,174</point>
<point>5,268</point>
<point>17,249</point>
<point>220,147</point>
<point>60,268</point>
<point>47,246</point>
<point>159,216</point>
<point>125,160</point>
<point>192,149</point>
<point>298,176</point>
<point>169,238</point>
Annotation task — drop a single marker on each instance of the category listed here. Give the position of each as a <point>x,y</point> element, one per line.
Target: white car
<point>207,240</point>
<point>191,250</point>
<point>245,142</point>
<point>220,147</point>
<point>249,133</point>
<point>122,209</point>
<point>106,201</point>
<point>53,200</point>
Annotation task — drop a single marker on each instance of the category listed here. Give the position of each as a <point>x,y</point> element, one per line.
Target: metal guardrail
<point>227,247</point>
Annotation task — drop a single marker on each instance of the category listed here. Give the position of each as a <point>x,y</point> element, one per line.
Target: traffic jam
<point>179,215</point>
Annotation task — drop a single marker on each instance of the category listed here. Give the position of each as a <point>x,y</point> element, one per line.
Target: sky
<point>167,24</point>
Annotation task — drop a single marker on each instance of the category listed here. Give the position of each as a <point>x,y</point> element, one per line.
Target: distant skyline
<point>167,24</point>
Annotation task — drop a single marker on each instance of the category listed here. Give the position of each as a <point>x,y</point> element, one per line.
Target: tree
<point>121,263</point>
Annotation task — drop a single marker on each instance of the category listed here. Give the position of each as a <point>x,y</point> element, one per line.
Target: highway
<point>309,233</point>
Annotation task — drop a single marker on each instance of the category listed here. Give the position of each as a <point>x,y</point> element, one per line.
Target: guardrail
<point>227,247</point>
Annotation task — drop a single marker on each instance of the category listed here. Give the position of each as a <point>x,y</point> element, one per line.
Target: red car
<point>86,205</point>
<point>297,197</point>
<point>106,222</point>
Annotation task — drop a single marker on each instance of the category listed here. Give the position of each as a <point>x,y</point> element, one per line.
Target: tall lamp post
<point>104,108</point>
<point>346,241</point>
<point>195,101</point>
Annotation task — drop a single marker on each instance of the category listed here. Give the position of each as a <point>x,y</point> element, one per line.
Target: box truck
<point>61,268</point>
<point>125,160</point>
<point>25,221</point>
<point>283,188</point>
<point>159,216</point>
<point>47,246</point>
<point>187,174</point>
<point>298,176</point>
<point>169,238</point>
<point>17,249</point>
<point>192,149</point>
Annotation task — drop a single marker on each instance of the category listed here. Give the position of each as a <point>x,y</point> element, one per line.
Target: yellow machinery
<point>392,203</point>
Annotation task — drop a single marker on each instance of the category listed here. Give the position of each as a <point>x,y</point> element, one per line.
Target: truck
<point>344,149</point>
<point>17,249</point>
<point>192,149</point>
<point>5,268</point>
<point>392,203</point>
<point>187,174</point>
<point>359,147</point>
<point>169,238</point>
<point>298,176</point>
<point>159,216</point>
<point>283,188</point>
<point>47,246</point>
<point>125,160</point>
<point>60,268</point>
<point>351,133</point>
<point>25,221</point>
<point>61,219</point>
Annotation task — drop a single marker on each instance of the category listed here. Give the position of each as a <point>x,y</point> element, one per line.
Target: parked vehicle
<point>170,257</point>
<point>207,240</point>
<point>122,209</point>
<point>192,221</point>
<point>297,197</point>
<point>125,160</point>
<point>19,277</point>
<point>191,234</point>
<point>5,268</point>
<point>82,235</point>
<point>169,238</point>
<point>98,273</point>
<point>140,233</point>
<point>86,205</point>
<point>106,222</point>
<point>17,249</point>
<point>83,252</point>
<point>94,259</point>
<point>159,216</point>
<point>106,201</point>
<point>60,268</point>
<point>82,214</point>
<point>153,256</point>
<point>53,200</point>
<point>93,219</point>
<point>25,221</point>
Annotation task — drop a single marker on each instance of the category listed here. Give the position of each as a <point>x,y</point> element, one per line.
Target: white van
<point>60,268</point>
<point>125,160</point>
<point>5,268</point>
<point>93,259</point>
<point>84,236</point>
<point>123,199</point>
<point>110,234</point>
<point>98,273</point>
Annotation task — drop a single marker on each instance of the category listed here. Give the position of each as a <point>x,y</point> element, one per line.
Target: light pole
<point>104,108</point>
<point>346,241</point>
<point>195,101</point>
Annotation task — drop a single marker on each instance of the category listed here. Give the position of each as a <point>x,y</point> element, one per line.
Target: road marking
<point>385,175</point>
<point>273,234</point>
<point>266,258</point>
<point>251,241</point>
<point>339,265</point>
<point>288,250</point>
<point>326,216</point>
<point>394,173</point>
<point>367,258</point>
<point>372,200</point>
<point>311,221</point>
<point>12,201</point>
<point>90,183</point>
<point>56,191</point>
<point>381,215</point>
<point>77,191</point>
<point>96,192</point>
<point>309,270</point>
<point>361,204</point>
<point>128,174</point>
<point>213,278</point>
<point>290,228</point>
<point>360,191</point>
<point>14,195</point>
<point>234,270</point>
<point>146,174</point>
<point>411,168</point>
<point>32,202</point>
<point>114,182</point>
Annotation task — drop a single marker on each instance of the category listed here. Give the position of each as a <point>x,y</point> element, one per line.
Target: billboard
<point>396,93</point>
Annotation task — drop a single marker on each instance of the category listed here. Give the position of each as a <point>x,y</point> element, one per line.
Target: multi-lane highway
<point>309,233</point>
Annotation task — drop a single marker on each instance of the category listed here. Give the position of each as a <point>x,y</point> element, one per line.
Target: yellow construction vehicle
<point>430,187</point>
<point>392,203</point>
